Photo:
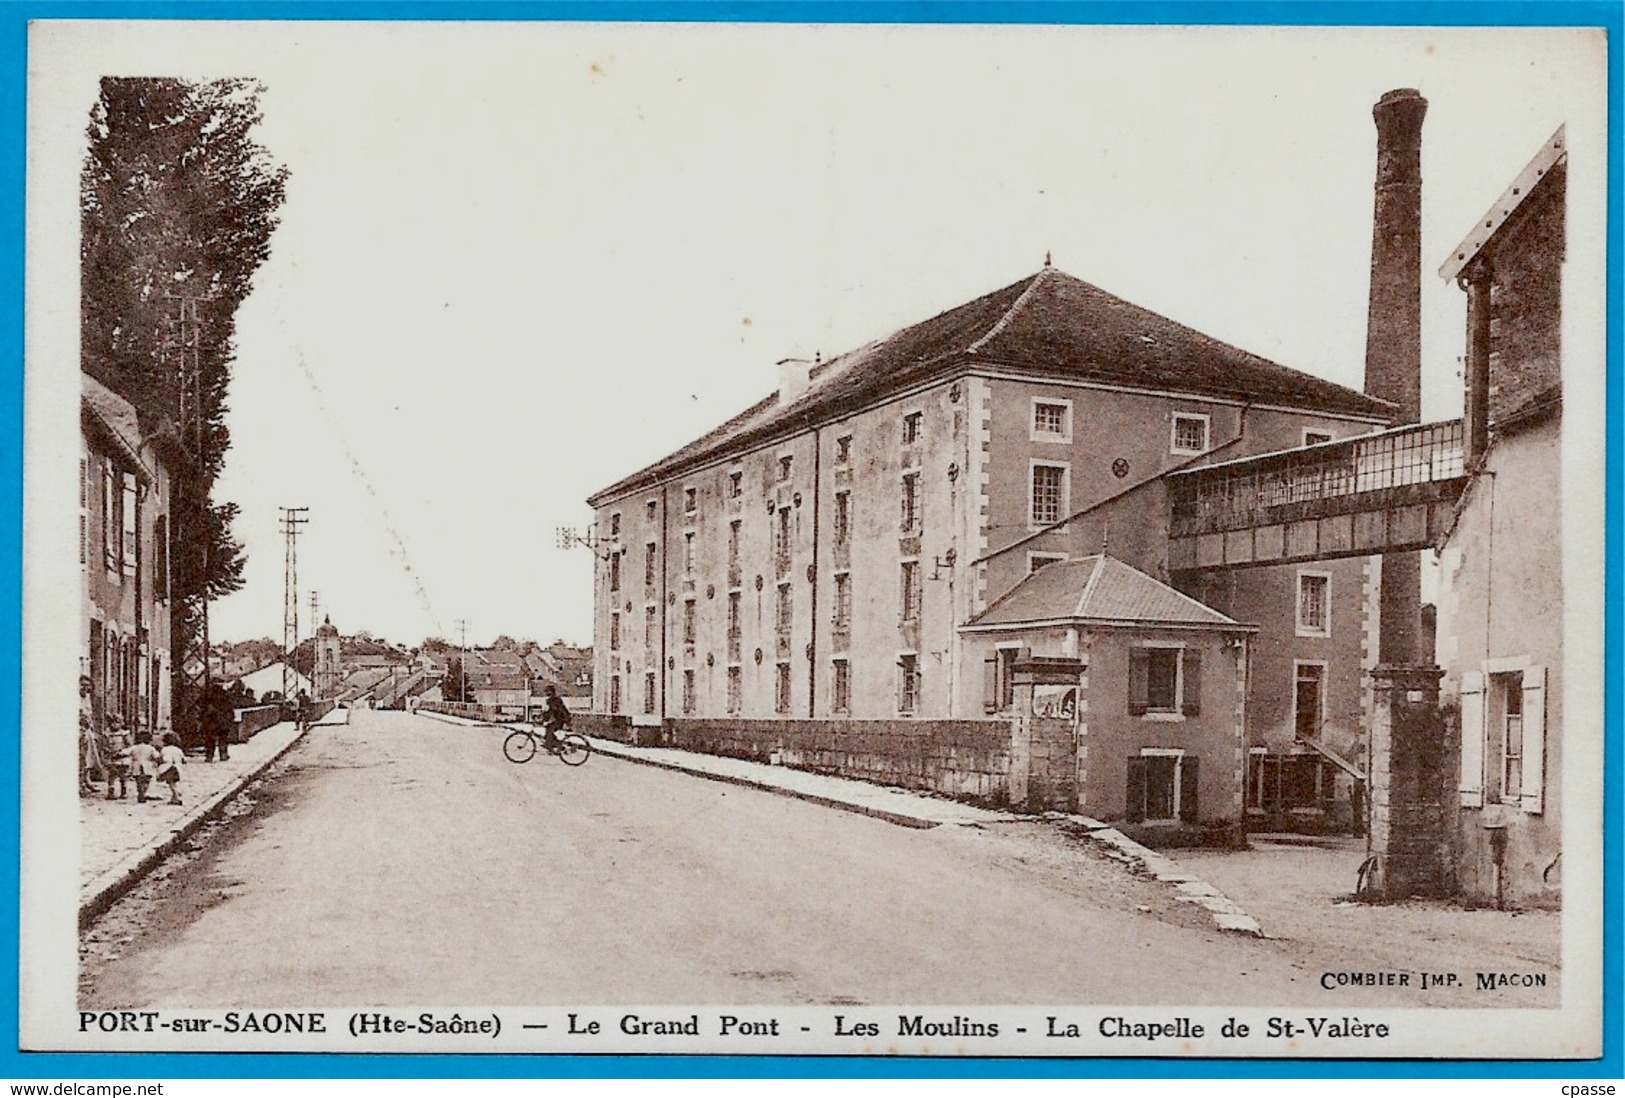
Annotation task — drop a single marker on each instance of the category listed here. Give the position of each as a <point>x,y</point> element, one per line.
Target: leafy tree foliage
<point>178,202</point>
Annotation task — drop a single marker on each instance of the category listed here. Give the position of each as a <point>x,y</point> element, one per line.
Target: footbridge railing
<point>1381,493</point>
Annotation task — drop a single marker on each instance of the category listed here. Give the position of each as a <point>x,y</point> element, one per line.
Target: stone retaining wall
<point>969,760</point>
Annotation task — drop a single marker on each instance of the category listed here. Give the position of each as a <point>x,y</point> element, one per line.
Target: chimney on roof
<point>795,375</point>
<point>1393,342</point>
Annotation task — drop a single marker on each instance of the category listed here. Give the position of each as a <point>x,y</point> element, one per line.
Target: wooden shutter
<point>1534,738</point>
<point>110,498</point>
<point>1134,809</point>
<point>1187,789</point>
<point>990,683</point>
<point>130,543</point>
<point>1139,682</point>
<point>1191,701</point>
<point>1471,787</point>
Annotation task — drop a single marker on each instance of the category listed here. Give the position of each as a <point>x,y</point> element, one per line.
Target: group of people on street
<point>111,755</point>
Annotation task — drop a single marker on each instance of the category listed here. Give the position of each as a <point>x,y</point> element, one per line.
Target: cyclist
<point>554,716</point>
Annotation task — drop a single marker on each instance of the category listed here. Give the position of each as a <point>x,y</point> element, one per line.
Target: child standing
<point>143,764</point>
<point>116,759</point>
<point>170,760</point>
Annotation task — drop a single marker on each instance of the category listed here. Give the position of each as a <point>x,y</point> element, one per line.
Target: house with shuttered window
<point>1159,708</point>
<point>124,463</point>
<point>1501,609</point>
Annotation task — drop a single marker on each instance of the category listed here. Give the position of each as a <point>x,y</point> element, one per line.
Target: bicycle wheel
<point>520,747</point>
<point>574,749</point>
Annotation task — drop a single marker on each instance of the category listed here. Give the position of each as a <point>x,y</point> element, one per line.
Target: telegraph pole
<point>462,684</point>
<point>292,519</point>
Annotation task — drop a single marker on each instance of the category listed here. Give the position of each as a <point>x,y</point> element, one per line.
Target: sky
<point>518,262</point>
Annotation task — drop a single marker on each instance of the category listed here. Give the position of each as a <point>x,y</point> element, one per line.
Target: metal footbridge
<point>1390,492</point>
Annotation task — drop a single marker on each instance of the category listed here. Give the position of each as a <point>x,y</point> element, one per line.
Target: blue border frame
<point>14,18</point>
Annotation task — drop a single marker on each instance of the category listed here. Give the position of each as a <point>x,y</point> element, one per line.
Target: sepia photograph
<point>774,539</point>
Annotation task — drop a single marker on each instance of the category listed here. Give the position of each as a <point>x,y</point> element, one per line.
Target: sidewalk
<point>911,809</point>
<point>121,840</point>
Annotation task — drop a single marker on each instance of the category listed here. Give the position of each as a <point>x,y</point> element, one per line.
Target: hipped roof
<point>1049,325</point>
<point>1098,590</point>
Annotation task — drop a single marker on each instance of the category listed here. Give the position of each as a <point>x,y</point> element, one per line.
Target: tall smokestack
<point>1393,347</point>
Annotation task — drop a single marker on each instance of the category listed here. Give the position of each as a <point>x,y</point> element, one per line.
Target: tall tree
<point>178,202</point>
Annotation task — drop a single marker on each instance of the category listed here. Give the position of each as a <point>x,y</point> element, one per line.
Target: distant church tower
<point>327,674</point>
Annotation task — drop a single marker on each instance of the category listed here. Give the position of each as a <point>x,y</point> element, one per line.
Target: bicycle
<point>521,746</point>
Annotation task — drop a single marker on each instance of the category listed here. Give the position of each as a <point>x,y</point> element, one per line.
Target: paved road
<point>401,861</point>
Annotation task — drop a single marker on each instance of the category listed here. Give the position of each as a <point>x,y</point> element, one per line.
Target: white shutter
<point>1472,739</point>
<point>1534,738</point>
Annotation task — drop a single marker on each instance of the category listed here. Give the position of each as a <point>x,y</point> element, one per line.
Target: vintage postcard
<point>770,539</point>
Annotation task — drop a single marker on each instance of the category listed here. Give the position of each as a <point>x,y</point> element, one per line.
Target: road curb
<point>112,885</point>
<point>1188,887</point>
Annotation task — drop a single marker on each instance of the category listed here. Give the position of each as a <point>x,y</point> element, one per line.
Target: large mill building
<point>872,543</point>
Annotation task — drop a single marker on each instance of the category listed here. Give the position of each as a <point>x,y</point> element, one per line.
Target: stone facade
<point>820,565</point>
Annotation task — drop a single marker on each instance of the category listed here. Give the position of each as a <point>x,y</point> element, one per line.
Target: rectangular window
<point>911,501</point>
<point>735,689</point>
<point>781,693</point>
<point>615,525</point>
<point>1503,734</point>
<point>1314,604</point>
<point>733,615</point>
<point>652,511</point>
<point>614,572</point>
<point>782,613</point>
<point>786,466</point>
<point>691,500</point>
<point>1506,737</point>
<point>843,517</point>
<point>908,683</point>
<point>1161,786</point>
<point>688,690</point>
<point>688,553</point>
<point>614,631</point>
<point>688,621</point>
<point>1315,438</point>
<point>911,427</point>
<point>841,687</point>
<point>733,544</point>
<point>1308,700</point>
<point>160,558</point>
<point>1052,421</point>
<point>649,554</point>
<point>781,541</point>
<point>649,628</point>
<point>649,692</point>
<point>909,580</point>
<point>1190,434</point>
<point>1048,495</point>
<point>614,693</point>
<point>843,600</point>
<point>736,482</point>
<point>1001,683</point>
<point>843,450</point>
<point>1164,681</point>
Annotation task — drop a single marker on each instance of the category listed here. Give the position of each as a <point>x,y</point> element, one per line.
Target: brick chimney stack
<point>1393,348</point>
